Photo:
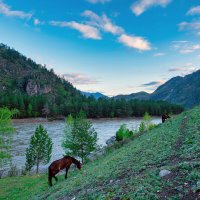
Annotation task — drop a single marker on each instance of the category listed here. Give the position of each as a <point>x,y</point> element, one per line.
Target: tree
<point>6,130</point>
<point>80,138</point>
<point>29,110</point>
<point>40,149</point>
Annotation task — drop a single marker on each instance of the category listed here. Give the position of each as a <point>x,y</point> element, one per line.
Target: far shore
<point>40,119</point>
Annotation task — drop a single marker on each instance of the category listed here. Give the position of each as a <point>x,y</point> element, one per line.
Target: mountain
<point>36,91</point>
<point>184,91</point>
<point>139,95</point>
<point>96,95</point>
<point>31,87</point>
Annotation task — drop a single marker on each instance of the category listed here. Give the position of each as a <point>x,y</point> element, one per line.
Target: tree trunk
<point>37,170</point>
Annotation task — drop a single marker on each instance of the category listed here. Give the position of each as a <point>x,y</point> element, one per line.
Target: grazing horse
<point>63,163</point>
<point>165,117</point>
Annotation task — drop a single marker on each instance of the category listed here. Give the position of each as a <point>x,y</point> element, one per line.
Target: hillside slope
<point>131,171</point>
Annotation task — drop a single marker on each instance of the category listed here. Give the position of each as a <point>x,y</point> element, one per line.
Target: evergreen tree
<point>80,138</point>
<point>6,130</point>
<point>40,149</point>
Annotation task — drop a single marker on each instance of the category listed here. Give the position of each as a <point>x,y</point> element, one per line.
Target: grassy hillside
<point>131,171</point>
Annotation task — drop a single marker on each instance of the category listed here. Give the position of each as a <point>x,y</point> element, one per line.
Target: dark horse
<point>165,117</point>
<point>63,163</point>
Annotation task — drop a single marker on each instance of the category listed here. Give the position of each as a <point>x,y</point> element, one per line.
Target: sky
<point>109,46</point>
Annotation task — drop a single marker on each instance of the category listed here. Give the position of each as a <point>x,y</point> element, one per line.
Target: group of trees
<point>79,140</point>
<point>42,105</point>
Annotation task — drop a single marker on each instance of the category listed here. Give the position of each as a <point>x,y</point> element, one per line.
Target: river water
<point>105,128</point>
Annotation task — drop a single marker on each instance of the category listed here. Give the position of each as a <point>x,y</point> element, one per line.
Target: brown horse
<point>63,163</point>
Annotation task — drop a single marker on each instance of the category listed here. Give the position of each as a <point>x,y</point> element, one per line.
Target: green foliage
<point>6,130</point>
<point>123,133</point>
<point>146,124</point>
<point>142,127</point>
<point>80,138</point>
<point>40,149</point>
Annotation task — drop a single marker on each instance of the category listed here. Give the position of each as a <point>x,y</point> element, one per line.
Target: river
<point>105,128</point>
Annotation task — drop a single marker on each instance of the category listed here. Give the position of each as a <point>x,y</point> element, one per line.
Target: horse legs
<point>50,178</point>
<point>55,178</point>
<point>67,168</point>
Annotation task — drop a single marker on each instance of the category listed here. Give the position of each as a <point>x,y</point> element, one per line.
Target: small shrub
<point>142,127</point>
<point>123,133</point>
<point>151,126</point>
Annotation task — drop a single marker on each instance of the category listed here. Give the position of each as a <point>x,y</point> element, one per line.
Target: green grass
<point>128,172</point>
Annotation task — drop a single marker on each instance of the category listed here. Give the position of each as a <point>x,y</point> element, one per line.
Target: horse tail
<point>50,177</point>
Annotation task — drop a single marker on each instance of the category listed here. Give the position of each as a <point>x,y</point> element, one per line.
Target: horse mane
<point>73,159</point>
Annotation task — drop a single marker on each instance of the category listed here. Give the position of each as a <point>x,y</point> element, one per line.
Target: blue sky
<point>110,46</point>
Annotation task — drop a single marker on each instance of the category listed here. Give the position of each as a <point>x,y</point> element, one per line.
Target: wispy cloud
<point>140,6</point>
<point>159,54</point>
<point>153,83</point>
<point>134,42</point>
<point>195,25</point>
<point>185,47</point>
<point>7,11</point>
<point>95,25</point>
<point>186,69</point>
<point>102,22</point>
<point>37,22</point>
<point>86,30</point>
<point>98,1</point>
<point>80,79</point>
<point>194,11</point>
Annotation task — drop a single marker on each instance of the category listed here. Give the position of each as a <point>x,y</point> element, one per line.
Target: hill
<point>96,95</point>
<point>184,91</point>
<point>139,95</point>
<point>130,171</point>
<point>36,91</point>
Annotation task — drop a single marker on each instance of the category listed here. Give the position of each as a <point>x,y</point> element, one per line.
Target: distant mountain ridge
<point>96,95</point>
<point>184,91</point>
<point>139,95</point>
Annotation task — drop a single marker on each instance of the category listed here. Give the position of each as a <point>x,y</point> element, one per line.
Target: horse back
<point>60,164</point>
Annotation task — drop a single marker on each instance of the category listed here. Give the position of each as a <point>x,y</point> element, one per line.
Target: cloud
<point>140,6</point>
<point>86,30</point>
<point>103,23</point>
<point>6,10</point>
<point>98,1</point>
<point>187,68</point>
<point>153,83</point>
<point>185,47</point>
<point>37,22</point>
<point>159,54</point>
<point>80,79</point>
<point>189,25</point>
<point>134,42</point>
<point>194,11</point>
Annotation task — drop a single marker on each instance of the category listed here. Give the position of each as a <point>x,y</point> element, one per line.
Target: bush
<point>142,127</point>
<point>123,132</point>
<point>151,126</point>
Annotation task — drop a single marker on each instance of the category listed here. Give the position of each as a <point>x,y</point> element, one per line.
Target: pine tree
<point>80,138</point>
<point>40,149</point>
